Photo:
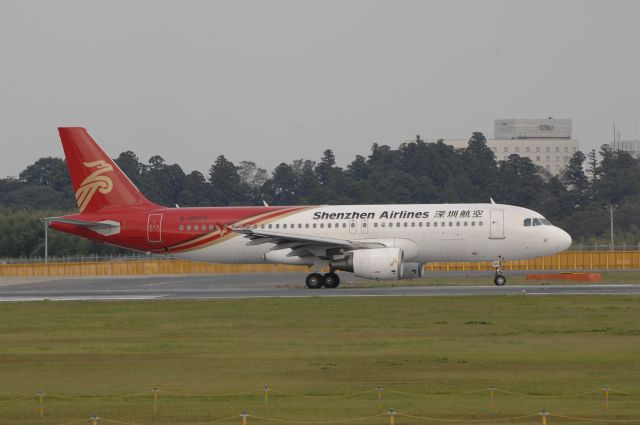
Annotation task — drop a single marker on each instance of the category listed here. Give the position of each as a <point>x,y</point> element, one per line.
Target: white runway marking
<point>81,298</point>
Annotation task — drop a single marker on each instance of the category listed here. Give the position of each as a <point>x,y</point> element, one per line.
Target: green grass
<point>320,347</point>
<point>486,279</point>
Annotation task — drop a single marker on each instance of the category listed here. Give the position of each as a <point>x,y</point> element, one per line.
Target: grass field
<point>325,349</point>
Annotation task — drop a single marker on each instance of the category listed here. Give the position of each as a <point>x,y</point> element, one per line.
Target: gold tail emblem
<point>94,182</point>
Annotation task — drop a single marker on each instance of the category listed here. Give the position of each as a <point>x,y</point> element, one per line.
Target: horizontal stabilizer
<point>106,227</point>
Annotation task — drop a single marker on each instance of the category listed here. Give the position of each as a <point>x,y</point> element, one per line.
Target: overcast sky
<point>272,81</point>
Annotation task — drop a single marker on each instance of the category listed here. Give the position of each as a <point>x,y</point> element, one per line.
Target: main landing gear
<point>328,280</point>
<point>499,280</point>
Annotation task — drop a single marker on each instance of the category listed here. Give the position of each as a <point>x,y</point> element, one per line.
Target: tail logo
<point>94,182</point>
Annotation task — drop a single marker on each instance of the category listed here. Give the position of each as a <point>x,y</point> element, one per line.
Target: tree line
<point>415,172</point>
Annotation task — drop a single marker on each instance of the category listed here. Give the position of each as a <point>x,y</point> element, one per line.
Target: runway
<point>259,285</point>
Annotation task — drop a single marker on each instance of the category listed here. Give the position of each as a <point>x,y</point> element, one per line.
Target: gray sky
<point>272,81</point>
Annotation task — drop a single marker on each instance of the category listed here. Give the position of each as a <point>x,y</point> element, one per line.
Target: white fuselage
<point>426,233</point>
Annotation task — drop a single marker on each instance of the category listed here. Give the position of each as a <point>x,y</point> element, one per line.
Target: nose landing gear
<point>499,279</point>
<point>328,280</point>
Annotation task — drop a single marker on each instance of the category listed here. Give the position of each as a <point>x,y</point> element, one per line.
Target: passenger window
<point>450,224</point>
<point>181,227</point>
<point>473,223</point>
<point>262,226</point>
<point>479,223</point>
<point>344,225</point>
<point>465,224</point>
<point>413,224</point>
<point>188,227</point>
<point>195,227</point>
<point>270,225</point>
<point>329,225</point>
<point>419,224</point>
<point>527,222</point>
<point>382,224</point>
<point>284,226</point>
<point>322,225</point>
<point>435,224</point>
<point>278,226</point>
<point>299,225</point>
<point>337,225</point>
<point>398,224</point>
<point>375,224</point>
<point>443,224</point>
<point>364,224</point>
<point>306,225</point>
<point>457,224</point>
<point>314,225</point>
<point>406,224</point>
<point>428,224</point>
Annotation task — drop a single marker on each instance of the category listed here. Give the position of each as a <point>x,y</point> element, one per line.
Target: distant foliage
<point>415,172</point>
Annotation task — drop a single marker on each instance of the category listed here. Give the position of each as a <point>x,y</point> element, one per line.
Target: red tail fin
<point>97,180</point>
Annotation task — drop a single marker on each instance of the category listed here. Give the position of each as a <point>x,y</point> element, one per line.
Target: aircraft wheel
<point>330,280</point>
<point>314,281</point>
<point>500,280</point>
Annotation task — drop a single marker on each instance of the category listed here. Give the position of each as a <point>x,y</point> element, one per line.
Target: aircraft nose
<point>563,239</point>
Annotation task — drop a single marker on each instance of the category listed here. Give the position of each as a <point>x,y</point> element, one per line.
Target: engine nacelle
<point>378,263</point>
<point>412,270</point>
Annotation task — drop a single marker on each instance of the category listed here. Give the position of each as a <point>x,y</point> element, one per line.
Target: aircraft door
<point>154,228</point>
<point>496,224</point>
<point>364,226</point>
<point>353,227</point>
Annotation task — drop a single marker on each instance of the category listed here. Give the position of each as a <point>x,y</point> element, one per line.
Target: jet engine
<point>378,263</point>
<point>412,270</point>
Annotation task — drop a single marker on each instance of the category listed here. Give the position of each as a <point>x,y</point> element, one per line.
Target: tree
<point>131,166</point>
<point>227,186</point>
<point>281,188</point>
<point>51,172</point>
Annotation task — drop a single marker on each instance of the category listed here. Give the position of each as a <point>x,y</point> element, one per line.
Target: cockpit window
<point>537,222</point>
<point>545,221</point>
<point>527,222</point>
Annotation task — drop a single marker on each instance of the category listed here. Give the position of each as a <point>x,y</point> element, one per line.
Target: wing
<point>304,245</point>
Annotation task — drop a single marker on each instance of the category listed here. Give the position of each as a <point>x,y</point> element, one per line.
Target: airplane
<point>378,242</point>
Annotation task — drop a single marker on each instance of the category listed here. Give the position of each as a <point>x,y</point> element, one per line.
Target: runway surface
<point>258,285</point>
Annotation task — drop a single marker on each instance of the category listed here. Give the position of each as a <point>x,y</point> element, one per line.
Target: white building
<point>547,142</point>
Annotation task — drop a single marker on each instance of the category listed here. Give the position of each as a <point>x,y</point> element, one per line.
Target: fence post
<point>379,389</point>
<point>605,389</point>
<point>392,417</point>
<point>41,403</point>
<point>543,415</point>
<point>266,396</point>
<point>492,391</point>
<point>244,417</point>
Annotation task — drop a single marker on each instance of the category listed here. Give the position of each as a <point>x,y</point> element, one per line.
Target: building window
<point>506,149</point>
<point>517,149</point>
<point>557,149</point>
<point>548,148</point>
<point>537,148</point>
<point>537,157</point>
<point>527,149</point>
<point>548,159</point>
<point>566,149</point>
